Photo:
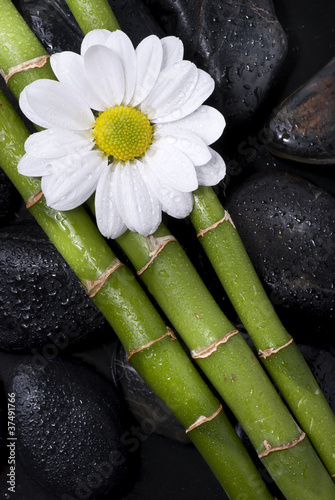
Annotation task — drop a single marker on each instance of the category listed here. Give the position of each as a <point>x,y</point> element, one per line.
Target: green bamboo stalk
<point>311,470</point>
<point>164,366</point>
<point>287,367</point>
<point>233,369</point>
<point>93,14</point>
<point>10,36</point>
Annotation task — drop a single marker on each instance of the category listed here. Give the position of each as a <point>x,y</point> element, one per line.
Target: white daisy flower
<point>128,124</point>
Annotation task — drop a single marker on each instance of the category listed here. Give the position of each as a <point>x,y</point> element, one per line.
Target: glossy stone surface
<point>241,44</point>
<point>52,22</point>
<point>135,19</point>
<point>303,126</point>
<point>9,199</point>
<point>151,414</point>
<point>70,428</point>
<point>55,26</point>
<point>42,304</point>
<point>288,228</point>
<point>321,361</point>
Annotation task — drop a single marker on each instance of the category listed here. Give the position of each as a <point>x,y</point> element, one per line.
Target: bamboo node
<point>205,352</point>
<point>271,350</point>
<point>202,420</point>
<point>226,218</point>
<point>34,198</point>
<point>155,246</point>
<point>270,449</point>
<point>168,333</point>
<point>37,62</point>
<point>94,286</point>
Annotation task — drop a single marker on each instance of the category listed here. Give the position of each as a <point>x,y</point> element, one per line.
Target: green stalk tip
<point>93,14</point>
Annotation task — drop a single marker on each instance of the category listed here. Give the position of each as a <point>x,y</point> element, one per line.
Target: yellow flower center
<point>123,132</point>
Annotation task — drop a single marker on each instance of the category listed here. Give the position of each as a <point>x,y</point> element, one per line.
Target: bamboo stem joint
<point>168,333</point>
<point>36,62</point>
<point>34,198</point>
<point>202,420</point>
<point>270,449</point>
<point>94,286</point>
<point>155,246</point>
<point>271,350</point>
<point>226,218</point>
<point>205,352</point>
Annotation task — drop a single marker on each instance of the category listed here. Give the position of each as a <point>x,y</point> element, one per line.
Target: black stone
<point>56,28</point>
<point>42,304</point>
<point>288,228</point>
<point>151,414</point>
<point>71,428</point>
<point>241,44</point>
<point>321,361</point>
<point>135,19</point>
<point>53,24</point>
<point>9,199</point>
<point>303,126</point>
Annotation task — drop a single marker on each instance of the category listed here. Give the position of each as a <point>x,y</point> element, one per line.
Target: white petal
<point>54,143</point>
<point>109,220</point>
<point>202,90</point>
<point>106,70</point>
<point>51,104</point>
<point>213,172</point>
<point>149,55</point>
<point>138,207</point>
<point>173,88</point>
<point>122,46</point>
<point>74,181</point>
<point>94,37</point>
<point>187,142</point>
<point>171,167</point>
<point>206,122</point>
<point>174,203</point>
<point>34,167</point>
<point>173,50</point>
<point>69,69</point>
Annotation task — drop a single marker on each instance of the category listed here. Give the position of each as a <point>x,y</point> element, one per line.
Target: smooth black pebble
<point>71,428</point>
<point>287,225</point>
<point>42,303</point>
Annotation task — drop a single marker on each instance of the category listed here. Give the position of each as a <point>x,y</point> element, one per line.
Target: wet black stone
<point>241,44</point>
<point>71,428</point>
<point>150,413</point>
<point>53,24</point>
<point>135,19</point>
<point>321,361</point>
<point>303,126</point>
<point>9,199</point>
<point>288,228</point>
<point>42,304</point>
